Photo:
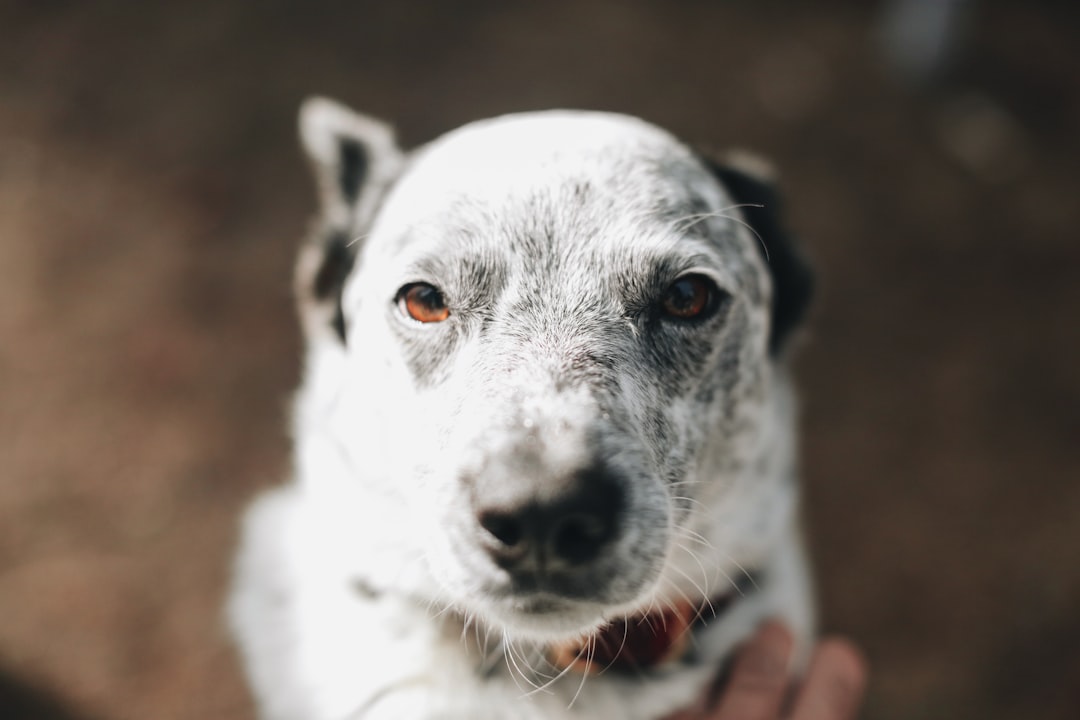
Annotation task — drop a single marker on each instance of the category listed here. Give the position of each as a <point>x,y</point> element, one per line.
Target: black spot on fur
<point>793,282</point>
<point>365,590</point>
<point>337,263</point>
<point>338,320</point>
<point>353,170</point>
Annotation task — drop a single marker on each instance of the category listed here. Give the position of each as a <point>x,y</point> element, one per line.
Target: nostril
<point>579,537</point>
<point>504,527</point>
<point>576,523</point>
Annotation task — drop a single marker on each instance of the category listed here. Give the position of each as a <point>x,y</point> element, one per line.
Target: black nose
<point>569,529</point>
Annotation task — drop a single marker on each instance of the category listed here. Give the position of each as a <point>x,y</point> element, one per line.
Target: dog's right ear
<point>354,158</point>
<point>750,183</point>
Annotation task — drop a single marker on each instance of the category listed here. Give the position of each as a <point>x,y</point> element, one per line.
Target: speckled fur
<point>360,589</point>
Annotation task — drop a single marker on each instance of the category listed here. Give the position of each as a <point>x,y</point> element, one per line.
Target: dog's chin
<point>555,606</point>
<point>544,617</point>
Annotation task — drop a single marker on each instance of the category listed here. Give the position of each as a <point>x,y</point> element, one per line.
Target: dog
<point>545,449</point>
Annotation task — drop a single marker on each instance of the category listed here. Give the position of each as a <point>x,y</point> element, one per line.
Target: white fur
<point>376,499</point>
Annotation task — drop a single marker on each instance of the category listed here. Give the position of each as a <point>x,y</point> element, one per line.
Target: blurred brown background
<point>152,196</point>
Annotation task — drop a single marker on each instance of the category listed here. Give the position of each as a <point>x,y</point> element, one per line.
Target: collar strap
<point>642,642</point>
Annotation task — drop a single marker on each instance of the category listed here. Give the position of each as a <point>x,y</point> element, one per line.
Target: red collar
<point>642,641</point>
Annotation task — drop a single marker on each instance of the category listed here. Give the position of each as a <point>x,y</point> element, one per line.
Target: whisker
<point>722,213</point>
<point>590,647</point>
<point>731,580</point>
<point>512,664</point>
<point>697,537</point>
<point>690,580</point>
<point>692,501</point>
<point>749,575</point>
<point>704,573</point>
<point>694,218</point>
<point>553,679</point>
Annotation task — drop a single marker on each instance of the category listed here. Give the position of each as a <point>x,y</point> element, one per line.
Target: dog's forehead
<point>562,199</point>
<point>626,164</point>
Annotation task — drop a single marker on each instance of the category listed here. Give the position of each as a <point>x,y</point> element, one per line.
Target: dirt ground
<point>152,195</point>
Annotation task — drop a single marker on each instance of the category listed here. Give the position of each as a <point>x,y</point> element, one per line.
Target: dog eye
<point>423,303</point>
<point>691,297</point>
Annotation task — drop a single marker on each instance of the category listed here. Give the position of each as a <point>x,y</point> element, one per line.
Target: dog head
<point>544,351</point>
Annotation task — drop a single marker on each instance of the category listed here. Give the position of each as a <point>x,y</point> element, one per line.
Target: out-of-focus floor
<point>151,198</point>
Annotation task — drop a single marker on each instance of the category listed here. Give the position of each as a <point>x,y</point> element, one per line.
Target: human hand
<point>759,686</point>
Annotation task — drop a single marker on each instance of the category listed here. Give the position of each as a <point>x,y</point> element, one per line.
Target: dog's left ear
<point>354,158</point>
<point>750,184</point>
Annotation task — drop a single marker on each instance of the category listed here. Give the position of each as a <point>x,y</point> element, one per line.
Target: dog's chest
<point>385,658</point>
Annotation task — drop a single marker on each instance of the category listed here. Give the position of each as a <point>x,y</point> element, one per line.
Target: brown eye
<point>423,303</point>
<point>691,297</point>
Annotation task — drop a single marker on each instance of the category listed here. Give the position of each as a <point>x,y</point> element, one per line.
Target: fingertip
<point>834,684</point>
<point>774,634</point>
<point>767,652</point>
<point>844,660</point>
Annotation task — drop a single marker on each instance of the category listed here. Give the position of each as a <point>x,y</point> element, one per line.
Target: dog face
<point>545,348</point>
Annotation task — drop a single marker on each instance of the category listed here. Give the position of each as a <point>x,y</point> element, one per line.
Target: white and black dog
<point>544,447</point>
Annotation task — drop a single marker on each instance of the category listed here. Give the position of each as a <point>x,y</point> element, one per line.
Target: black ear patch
<point>336,264</point>
<point>353,169</point>
<point>793,281</point>
<point>337,246</point>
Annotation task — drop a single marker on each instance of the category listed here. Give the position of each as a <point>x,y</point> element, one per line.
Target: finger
<point>834,685</point>
<point>759,677</point>
<point>685,715</point>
